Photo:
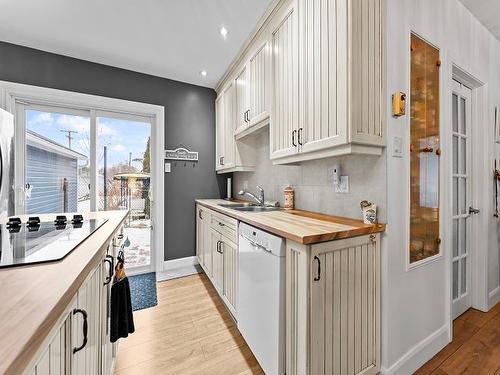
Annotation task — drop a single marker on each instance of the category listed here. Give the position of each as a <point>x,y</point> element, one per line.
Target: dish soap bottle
<point>289,194</point>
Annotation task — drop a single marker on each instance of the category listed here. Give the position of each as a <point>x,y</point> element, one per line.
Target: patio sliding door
<point>123,159</point>
<point>80,160</point>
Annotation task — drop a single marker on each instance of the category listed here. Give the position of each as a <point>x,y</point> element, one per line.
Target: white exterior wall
<point>416,319</point>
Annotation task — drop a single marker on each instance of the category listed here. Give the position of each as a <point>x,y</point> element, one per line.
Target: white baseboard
<point>180,263</point>
<point>493,297</point>
<point>414,358</point>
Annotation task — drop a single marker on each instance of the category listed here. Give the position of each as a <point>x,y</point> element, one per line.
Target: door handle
<point>474,211</point>
<point>293,138</point>
<point>85,329</point>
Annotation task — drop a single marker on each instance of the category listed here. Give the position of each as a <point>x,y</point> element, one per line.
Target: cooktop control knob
<point>60,220</point>
<point>33,223</point>
<point>14,224</point>
<point>77,219</point>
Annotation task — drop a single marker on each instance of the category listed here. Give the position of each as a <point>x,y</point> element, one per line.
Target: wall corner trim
<point>420,353</point>
<point>493,297</point>
<point>180,263</point>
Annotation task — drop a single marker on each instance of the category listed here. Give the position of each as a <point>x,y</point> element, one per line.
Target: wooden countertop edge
<point>362,228</point>
<point>27,352</point>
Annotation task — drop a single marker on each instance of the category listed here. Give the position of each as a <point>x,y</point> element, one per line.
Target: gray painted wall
<point>189,119</point>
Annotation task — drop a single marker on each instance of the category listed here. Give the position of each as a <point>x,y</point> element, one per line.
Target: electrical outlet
<point>167,167</point>
<point>397,147</point>
<point>343,186</point>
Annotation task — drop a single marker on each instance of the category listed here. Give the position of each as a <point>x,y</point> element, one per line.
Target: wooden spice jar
<point>289,194</point>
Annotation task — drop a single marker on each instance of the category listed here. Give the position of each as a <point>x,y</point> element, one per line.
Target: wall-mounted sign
<point>181,153</point>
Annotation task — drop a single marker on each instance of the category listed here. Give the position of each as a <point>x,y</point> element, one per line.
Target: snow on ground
<point>139,234</point>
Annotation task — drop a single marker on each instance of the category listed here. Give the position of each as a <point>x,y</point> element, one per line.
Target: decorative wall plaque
<point>181,153</point>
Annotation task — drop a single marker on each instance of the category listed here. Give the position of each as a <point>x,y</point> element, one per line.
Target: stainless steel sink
<point>256,208</point>
<point>236,205</point>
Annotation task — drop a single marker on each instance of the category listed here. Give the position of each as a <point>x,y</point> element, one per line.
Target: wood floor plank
<point>475,348</point>
<point>188,332</point>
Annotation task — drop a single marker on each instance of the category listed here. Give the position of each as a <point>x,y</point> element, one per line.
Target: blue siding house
<point>51,175</point>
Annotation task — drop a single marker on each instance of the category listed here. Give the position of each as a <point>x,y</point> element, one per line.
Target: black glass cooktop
<point>39,242</point>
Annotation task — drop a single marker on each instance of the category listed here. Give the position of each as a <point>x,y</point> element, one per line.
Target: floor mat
<point>143,291</point>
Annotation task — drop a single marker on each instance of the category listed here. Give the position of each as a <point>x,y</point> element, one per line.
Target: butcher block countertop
<point>33,297</point>
<point>301,226</point>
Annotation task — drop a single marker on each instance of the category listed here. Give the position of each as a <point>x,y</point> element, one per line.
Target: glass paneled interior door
<point>123,178</point>
<point>461,195</point>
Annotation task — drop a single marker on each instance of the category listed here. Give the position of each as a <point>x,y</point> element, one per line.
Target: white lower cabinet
<point>333,307</point>
<point>216,237</point>
<point>203,248</point>
<point>79,344</point>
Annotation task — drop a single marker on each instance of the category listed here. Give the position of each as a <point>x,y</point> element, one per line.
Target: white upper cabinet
<point>242,107</point>
<point>317,68</point>
<point>258,85</point>
<point>252,87</point>
<point>231,155</point>
<point>284,81</point>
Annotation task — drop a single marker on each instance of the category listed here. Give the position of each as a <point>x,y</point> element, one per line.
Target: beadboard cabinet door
<point>323,38</point>
<point>333,307</point>
<point>258,67</point>
<point>203,249</point>
<point>220,133</point>
<point>228,159</point>
<point>230,277</point>
<point>55,357</point>
<point>217,261</point>
<point>284,81</point>
<point>86,345</point>
<point>242,99</point>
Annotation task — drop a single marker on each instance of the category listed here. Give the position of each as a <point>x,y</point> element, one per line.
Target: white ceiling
<point>487,12</point>
<point>168,38</point>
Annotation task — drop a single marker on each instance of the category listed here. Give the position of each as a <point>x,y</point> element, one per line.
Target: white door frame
<point>11,93</point>
<point>478,257</point>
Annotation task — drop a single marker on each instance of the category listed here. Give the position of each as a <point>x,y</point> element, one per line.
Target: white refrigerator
<point>6,164</point>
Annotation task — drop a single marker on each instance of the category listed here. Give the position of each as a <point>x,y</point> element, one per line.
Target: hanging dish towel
<point>122,318</point>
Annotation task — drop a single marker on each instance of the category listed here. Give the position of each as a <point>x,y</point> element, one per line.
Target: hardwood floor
<point>475,348</point>
<point>188,332</point>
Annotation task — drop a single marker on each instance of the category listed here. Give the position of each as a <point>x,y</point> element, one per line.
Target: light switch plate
<point>397,147</point>
<point>343,186</point>
<point>167,167</point>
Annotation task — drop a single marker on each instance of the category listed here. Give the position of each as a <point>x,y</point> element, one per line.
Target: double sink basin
<point>249,207</point>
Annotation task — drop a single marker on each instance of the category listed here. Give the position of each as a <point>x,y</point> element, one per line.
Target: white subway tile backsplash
<point>313,181</point>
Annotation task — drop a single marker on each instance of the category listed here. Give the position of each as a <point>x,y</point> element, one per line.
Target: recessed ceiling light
<point>223,31</point>
<point>203,73</point>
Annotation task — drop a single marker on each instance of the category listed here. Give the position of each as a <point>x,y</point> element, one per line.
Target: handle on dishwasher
<point>317,278</point>
<point>253,243</point>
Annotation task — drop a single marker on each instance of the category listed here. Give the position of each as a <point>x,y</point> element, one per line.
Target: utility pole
<point>129,159</point>
<point>69,135</point>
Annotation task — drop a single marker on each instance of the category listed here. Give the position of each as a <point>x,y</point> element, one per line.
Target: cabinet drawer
<point>225,225</point>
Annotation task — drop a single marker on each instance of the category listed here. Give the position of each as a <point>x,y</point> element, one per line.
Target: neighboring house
<point>51,174</point>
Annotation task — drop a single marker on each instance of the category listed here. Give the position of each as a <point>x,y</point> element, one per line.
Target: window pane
<point>455,279</point>
<point>455,237</point>
<point>463,118</point>
<point>455,195</point>
<point>463,276</point>
<point>454,113</point>
<point>455,154</point>
<point>123,159</point>
<point>463,158</point>
<point>57,162</point>
<point>463,236</point>
<point>424,143</point>
<point>463,196</point>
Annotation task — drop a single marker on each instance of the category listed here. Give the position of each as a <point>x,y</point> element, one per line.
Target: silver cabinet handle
<point>299,136</point>
<point>293,138</point>
<point>199,215</point>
